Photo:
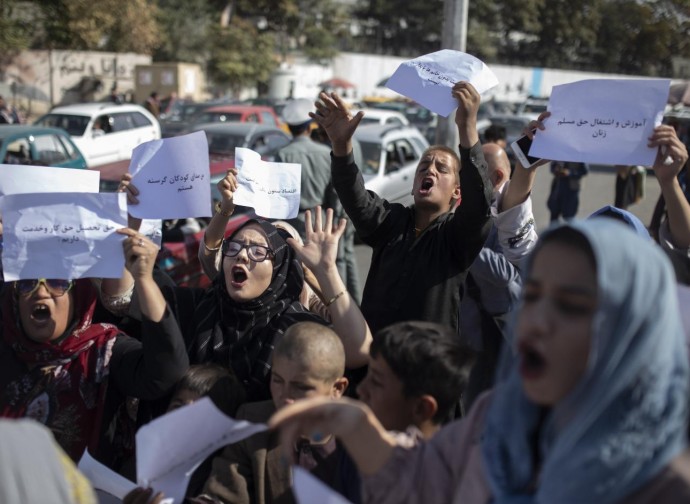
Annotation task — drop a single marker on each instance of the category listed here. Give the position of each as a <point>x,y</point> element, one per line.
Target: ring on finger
<point>140,242</point>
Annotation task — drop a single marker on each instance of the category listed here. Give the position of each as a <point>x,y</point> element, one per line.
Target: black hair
<point>297,130</point>
<point>218,383</point>
<point>494,133</point>
<point>570,237</point>
<point>429,359</point>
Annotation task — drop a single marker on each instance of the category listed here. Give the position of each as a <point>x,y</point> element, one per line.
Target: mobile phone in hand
<point>521,148</point>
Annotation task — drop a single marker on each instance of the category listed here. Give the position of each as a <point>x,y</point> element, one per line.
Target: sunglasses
<point>55,287</point>
<point>256,253</point>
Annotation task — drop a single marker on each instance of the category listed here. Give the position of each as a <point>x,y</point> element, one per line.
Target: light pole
<point>454,36</point>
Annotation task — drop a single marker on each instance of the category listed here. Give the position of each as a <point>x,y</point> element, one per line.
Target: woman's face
<point>555,325</point>
<point>246,279</point>
<point>45,317</point>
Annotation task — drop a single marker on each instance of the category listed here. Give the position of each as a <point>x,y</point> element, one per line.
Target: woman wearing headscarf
<point>63,370</point>
<point>250,303</point>
<point>593,410</point>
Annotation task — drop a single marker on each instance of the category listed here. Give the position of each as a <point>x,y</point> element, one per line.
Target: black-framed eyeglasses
<point>257,253</point>
<point>55,287</point>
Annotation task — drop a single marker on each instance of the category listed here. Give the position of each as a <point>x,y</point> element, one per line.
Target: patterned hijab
<point>242,335</point>
<point>61,384</point>
<point>626,418</point>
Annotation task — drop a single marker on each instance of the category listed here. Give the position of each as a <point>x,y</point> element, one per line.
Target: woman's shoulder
<point>671,486</point>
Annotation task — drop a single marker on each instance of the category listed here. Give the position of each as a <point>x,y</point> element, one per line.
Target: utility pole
<point>454,37</point>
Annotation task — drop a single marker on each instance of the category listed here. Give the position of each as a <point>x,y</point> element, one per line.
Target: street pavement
<point>597,191</point>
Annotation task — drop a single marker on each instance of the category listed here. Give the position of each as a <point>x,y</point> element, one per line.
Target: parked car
<point>380,116</point>
<point>391,155</point>
<point>184,116</point>
<point>222,138</point>
<point>514,124</point>
<point>239,113</point>
<point>33,145</point>
<point>104,132</point>
<point>532,107</point>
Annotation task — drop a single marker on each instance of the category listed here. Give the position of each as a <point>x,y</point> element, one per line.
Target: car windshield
<point>208,117</point>
<point>371,153</point>
<point>370,120</point>
<point>224,144</point>
<point>75,125</point>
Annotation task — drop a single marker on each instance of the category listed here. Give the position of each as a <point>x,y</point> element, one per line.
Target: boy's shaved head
<point>315,347</point>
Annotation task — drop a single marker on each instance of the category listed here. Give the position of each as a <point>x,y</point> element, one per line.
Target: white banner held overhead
<point>63,235</point>
<point>604,121</point>
<point>429,79</point>
<point>173,178</point>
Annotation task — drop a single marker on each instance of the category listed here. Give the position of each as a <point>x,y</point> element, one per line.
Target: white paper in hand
<point>429,79</point>
<point>103,478</point>
<point>310,490</point>
<point>271,189</point>
<point>173,178</point>
<point>604,121</point>
<point>63,235</point>
<point>171,447</point>
<point>21,179</point>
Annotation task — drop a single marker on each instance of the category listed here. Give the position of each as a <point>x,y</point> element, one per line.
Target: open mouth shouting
<point>532,362</point>
<point>238,276</point>
<point>426,186</point>
<point>40,314</point>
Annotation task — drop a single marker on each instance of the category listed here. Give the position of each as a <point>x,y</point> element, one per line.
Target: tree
<point>240,55</point>
<point>14,33</point>
<point>185,27</point>
<point>110,25</point>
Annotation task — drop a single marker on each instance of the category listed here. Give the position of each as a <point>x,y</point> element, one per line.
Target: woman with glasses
<point>57,367</point>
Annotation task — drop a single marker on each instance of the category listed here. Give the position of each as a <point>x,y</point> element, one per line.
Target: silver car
<point>391,155</point>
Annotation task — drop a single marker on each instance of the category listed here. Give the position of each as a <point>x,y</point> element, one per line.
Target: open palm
<point>333,116</point>
<point>320,247</point>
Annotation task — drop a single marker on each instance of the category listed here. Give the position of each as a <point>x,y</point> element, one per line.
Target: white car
<point>104,132</point>
<point>391,155</point>
<point>380,116</point>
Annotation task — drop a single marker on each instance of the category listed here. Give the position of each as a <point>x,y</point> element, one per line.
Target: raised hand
<point>320,248</point>
<point>126,186</point>
<point>227,187</point>
<point>140,254</point>
<point>531,129</point>
<point>333,115</point>
<point>466,113</point>
<point>671,156</point>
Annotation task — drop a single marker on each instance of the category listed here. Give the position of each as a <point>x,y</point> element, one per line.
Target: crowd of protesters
<point>484,364</point>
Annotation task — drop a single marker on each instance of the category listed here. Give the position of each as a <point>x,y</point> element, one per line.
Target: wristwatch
<point>219,209</point>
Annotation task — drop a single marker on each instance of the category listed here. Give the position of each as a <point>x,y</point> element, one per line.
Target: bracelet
<point>334,298</point>
<point>224,213</point>
<point>215,249</point>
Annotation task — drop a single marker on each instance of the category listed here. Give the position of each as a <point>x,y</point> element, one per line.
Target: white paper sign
<point>171,447</point>
<point>310,490</point>
<point>173,178</point>
<point>21,179</point>
<point>428,80</point>
<point>63,235</point>
<point>605,121</point>
<point>103,478</point>
<point>271,189</point>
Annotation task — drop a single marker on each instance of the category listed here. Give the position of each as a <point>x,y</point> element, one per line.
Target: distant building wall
<point>51,74</point>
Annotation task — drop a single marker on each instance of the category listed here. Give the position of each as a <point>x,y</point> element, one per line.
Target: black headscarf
<point>243,335</point>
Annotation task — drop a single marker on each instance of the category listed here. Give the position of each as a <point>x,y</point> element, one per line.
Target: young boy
<point>417,374</point>
<point>308,361</point>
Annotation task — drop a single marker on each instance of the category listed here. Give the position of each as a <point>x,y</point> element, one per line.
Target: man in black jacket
<point>422,252</point>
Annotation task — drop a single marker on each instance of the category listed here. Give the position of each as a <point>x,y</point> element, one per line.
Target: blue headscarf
<point>626,217</point>
<point>626,418</point>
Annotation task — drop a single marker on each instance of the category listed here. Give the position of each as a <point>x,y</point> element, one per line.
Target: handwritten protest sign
<point>167,466</point>
<point>271,189</point>
<point>63,235</point>
<point>310,490</point>
<point>21,179</point>
<point>173,178</point>
<point>605,121</point>
<point>428,80</point>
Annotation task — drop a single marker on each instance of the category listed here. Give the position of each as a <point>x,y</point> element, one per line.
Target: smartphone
<point>521,148</point>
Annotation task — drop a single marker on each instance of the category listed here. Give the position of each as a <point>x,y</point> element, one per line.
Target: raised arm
<point>670,160</point>
<point>333,115</point>
<point>209,252</point>
<point>318,253</point>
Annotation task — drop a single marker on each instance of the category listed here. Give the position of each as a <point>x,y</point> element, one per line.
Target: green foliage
<point>240,55</point>
<point>185,27</point>
<point>14,30</point>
